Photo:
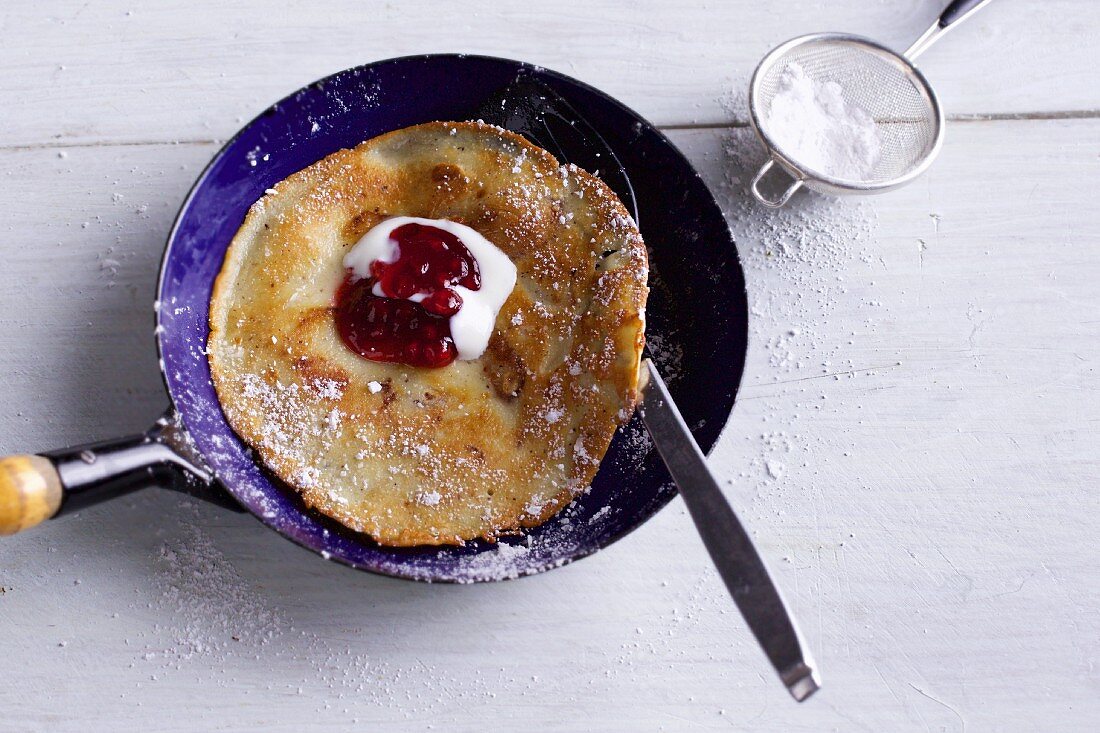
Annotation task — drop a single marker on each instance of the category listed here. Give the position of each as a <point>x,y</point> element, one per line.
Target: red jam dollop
<point>391,328</point>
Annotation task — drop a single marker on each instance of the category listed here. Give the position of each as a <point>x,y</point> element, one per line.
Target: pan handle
<point>34,488</point>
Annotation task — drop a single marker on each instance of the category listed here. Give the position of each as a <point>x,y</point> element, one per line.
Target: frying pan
<point>696,327</point>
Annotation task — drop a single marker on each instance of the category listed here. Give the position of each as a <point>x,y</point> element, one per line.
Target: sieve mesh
<point>869,77</point>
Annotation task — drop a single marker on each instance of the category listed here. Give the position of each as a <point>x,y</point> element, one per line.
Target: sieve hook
<point>773,203</point>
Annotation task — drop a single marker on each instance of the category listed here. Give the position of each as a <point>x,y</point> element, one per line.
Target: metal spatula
<point>534,110</point>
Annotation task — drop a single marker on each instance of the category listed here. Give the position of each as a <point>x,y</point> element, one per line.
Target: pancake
<point>476,449</point>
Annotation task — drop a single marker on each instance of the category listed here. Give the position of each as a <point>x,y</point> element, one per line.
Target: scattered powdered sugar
<point>282,631</point>
<point>307,477</point>
<point>798,261</point>
<point>209,606</point>
<point>553,414</point>
<point>814,124</point>
<point>429,498</point>
<point>504,562</point>
<point>332,421</point>
<point>535,505</point>
<point>580,454</point>
<point>810,270</point>
<point>636,443</point>
<point>328,389</point>
<point>213,621</point>
<point>667,353</point>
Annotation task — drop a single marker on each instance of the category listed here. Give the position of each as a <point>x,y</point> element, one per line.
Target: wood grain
<point>105,72</point>
<point>914,446</point>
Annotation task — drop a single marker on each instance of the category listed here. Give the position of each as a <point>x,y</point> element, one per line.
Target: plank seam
<point>1086,114</point>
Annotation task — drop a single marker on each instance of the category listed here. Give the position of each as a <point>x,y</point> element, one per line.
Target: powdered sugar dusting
<point>807,266</point>
<point>210,608</point>
<point>820,129</point>
<point>506,561</point>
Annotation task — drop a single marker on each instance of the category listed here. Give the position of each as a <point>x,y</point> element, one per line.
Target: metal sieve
<point>885,84</point>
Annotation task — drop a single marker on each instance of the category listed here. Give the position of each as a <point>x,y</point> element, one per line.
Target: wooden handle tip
<point>30,492</point>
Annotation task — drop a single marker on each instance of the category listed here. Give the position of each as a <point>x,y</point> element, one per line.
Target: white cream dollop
<point>472,326</point>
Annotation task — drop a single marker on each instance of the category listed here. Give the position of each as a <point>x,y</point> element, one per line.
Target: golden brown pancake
<point>434,456</point>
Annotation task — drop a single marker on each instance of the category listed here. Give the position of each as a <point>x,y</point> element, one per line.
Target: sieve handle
<point>958,10</point>
<point>953,14</point>
<point>796,183</point>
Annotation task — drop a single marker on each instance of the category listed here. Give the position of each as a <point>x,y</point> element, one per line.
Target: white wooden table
<point>915,444</point>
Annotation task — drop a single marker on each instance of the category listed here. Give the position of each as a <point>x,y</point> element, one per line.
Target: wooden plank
<point>914,447</point>
<point>78,72</point>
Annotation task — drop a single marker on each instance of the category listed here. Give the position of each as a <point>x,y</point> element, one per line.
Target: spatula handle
<point>730,547</point>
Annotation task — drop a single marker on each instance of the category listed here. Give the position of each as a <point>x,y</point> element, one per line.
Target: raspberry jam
<point>389,327</point>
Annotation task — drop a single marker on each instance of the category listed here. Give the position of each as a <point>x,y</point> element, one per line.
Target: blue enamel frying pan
<point>696,326</point>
